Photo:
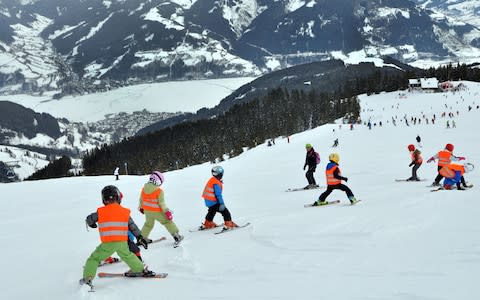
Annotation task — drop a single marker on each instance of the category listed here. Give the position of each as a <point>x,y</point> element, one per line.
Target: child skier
<point>152,205</point>
<point>212,195</point>
<point>453,174</point>
<point>334,181</point>
<point>114,221</point>
<point>417,160</point>
<point>311,160</point>
<point>445,157</point>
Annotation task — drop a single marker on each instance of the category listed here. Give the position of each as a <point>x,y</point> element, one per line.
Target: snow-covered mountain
<point>466,11</point>
<point>74,124</point>
<point>136,40</point>
<point>401,242</point>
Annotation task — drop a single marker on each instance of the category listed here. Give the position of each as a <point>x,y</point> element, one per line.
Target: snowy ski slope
<point>401,242</point>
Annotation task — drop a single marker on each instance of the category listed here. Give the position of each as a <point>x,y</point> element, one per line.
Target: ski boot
<point>435,183</point>
<point>353,200</point>
<point>178,238</point>
<point>145,273</point>
<point>111,260</point>
<point>208,225</point>
<point>319,203</point>
<point>87,281</point>
<point>229,225</point>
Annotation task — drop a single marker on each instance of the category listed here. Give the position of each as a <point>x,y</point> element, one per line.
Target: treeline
<point>455,72</point>
<point>56,169</point>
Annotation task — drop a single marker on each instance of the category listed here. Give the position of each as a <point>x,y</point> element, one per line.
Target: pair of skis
<point>223,230</point>
<point>329,203</point>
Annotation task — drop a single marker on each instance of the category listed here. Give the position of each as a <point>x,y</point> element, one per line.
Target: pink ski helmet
<point>157,178</point>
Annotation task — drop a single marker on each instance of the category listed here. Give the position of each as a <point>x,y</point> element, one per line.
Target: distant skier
<point>114,221</point>
<point>419,141</point>
<point>416,162</point>
<point>212,195</point>
<point>453,174</point>
<point>445,157</point>
<point>116,173</point>
<point>152,205</point>
<point>334,181</point>
<point>335,143</point>
<point>312,159</point>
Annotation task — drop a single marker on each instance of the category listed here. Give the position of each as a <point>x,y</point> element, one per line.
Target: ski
<point>158,240</point>
<point>231,229</point>
<point>303,189</point>
<point>110,275</point>
<point>442,188</point>
<point>200,228</point>
<point>406,180</point>
<point>326,204</point>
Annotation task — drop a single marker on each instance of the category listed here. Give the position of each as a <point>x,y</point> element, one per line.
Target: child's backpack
<point>317,157</point>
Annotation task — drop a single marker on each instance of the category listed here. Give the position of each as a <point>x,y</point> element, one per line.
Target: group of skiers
<point>118,230</point>
<point>452,172</point>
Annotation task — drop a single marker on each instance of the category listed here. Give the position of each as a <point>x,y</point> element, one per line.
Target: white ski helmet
<point>157,178</point>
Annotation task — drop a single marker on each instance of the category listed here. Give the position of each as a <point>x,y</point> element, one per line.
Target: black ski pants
<point>439,176</point>
<point>212,211</point>
<point>309,175</point>
<point>330,189</point>
<point>414,170</point>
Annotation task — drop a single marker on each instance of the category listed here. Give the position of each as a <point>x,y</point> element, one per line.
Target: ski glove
<point>346,179</point>
<point>142,242</point>
<point>94,225</point>
<point>461,158</point>
<point>221,207</point>
<point>430,159</point>
<point>141,210</point>
<point>168,215</point>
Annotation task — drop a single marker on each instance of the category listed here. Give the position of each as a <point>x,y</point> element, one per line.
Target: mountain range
<point>78,46</point>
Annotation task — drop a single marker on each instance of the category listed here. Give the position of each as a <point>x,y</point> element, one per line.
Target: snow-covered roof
<point>413,81</point>
<point>429,83</point>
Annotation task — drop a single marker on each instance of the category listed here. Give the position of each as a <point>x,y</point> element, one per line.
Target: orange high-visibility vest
<point>113,223</point>
<point>444,158</point>
<point>448,171</point>
<point>150,201</point>
<point>331,180</point>
<point>208,192</point>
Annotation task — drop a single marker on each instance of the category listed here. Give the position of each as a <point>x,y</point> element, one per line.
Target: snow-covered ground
<point>174,96</point>
<point>401,242</point>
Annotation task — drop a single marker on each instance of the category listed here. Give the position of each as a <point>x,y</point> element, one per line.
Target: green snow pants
<point>103,251</point>
<point>151,217</point>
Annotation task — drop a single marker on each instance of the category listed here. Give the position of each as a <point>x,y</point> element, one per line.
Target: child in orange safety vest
<point>445,157</point>
<point>114,222</point>
<point>152,205</point>
<point>212,195</point>
<point>334,181</point>
<point>453,174</point>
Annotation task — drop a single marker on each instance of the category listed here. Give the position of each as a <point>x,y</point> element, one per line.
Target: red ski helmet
<point>449,147</point>
<point>411,147</point>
